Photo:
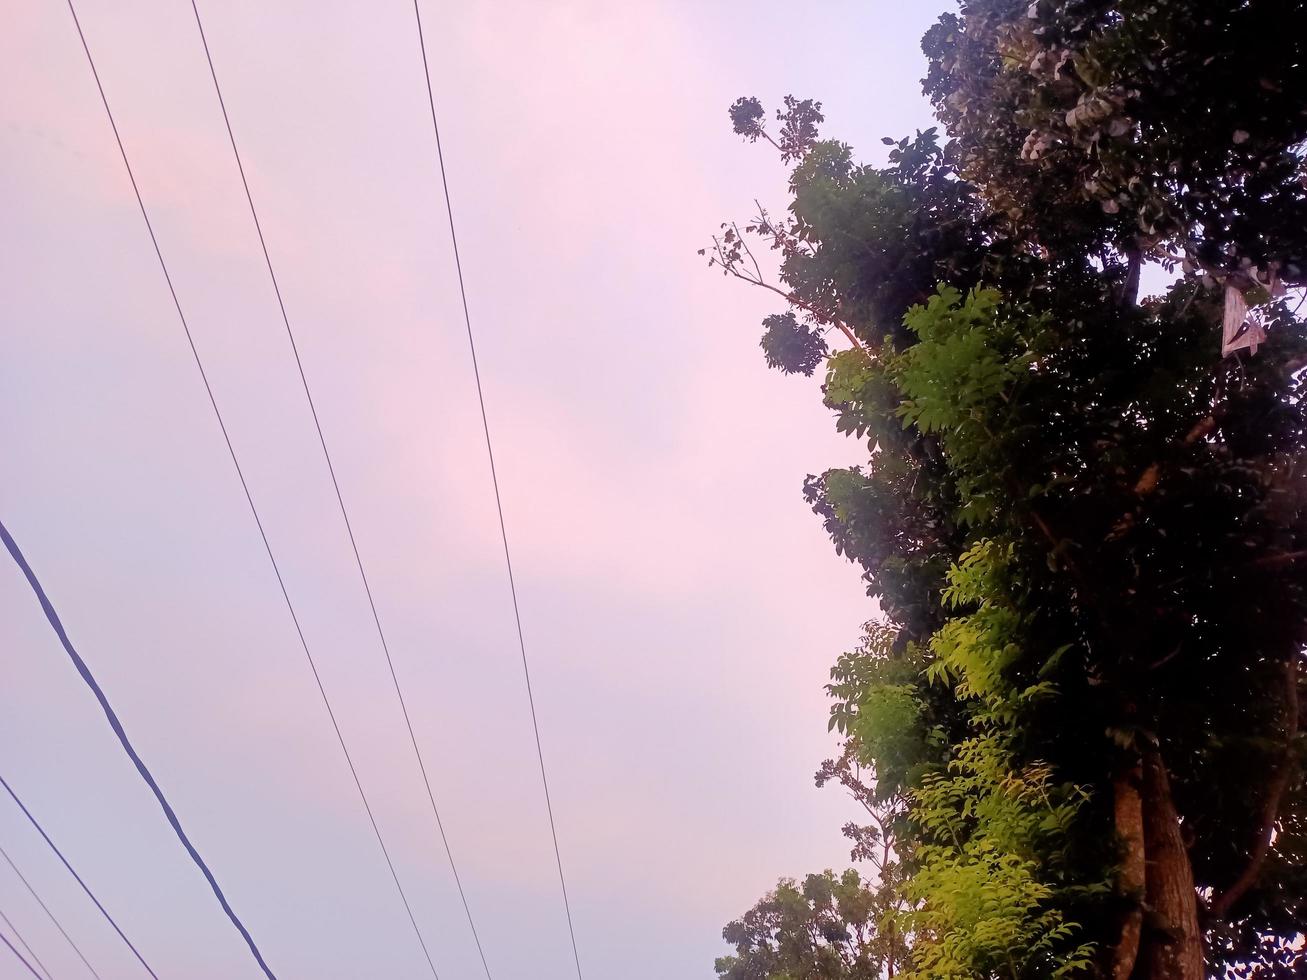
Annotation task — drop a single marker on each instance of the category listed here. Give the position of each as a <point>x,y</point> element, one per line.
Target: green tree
<point>825,927</point>
<point>1084,527</point>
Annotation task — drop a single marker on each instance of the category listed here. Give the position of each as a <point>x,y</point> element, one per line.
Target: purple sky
<point>681,605</point>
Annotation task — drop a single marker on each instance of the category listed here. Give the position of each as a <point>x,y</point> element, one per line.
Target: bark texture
<point>1129,813</point>
<point>1172,947</point>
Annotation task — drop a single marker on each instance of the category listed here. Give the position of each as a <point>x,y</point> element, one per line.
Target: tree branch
<point>748,251</point>
<point>1130,288</point>
<point>1275,561</point>
<point>1222,903</point>
<point>795,301</point>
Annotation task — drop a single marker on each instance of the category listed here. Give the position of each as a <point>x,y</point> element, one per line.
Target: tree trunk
<point>1129,813</point>
<point>1173,941</point>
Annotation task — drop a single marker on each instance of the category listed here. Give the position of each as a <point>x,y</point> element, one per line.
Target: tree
<point>1085,528</point>
<point>825,927</point>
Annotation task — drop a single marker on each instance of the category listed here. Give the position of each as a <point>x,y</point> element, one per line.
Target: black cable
<point>50,915</point>
<point>494,478</point>
<point>123,740</point>
<point>23,942</point>
<point>258,521</point>
<point>5,940</point>
<point>89,894</point>
<point>340,500</point>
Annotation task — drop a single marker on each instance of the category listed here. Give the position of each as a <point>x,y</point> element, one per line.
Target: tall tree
<point>1084,526</point>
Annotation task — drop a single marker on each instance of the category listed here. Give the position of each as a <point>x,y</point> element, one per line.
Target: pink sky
<point>681,605</point>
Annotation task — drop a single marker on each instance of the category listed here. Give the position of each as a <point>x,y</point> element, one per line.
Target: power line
<point>494,478</point>
<point>23,942</point>
<point>89,894</point>
<point>5,940</point>
<point>125,742</point>
<point>262,533</point>
<point>50,915</point>
<point>340,499</point>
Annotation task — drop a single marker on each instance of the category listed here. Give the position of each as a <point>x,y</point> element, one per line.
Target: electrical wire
<point>89,894</point>
<point>5,940</point>
<point>340,499</point>
<point>262,533</point>
<point>127,746</point>
<point>23,942</point>
<point>494,478</point>
<point>50,915</point>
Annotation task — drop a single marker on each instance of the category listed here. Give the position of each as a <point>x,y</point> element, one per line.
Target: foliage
<point>799,121</point>
<point>887,716</point>
<point>1153,124</point>
<point>990,837</point>
<point>827,927</point>
<point>1086,532</point>
<point>791,346</point>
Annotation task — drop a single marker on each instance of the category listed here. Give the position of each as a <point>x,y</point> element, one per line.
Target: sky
<point>681,605</point>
